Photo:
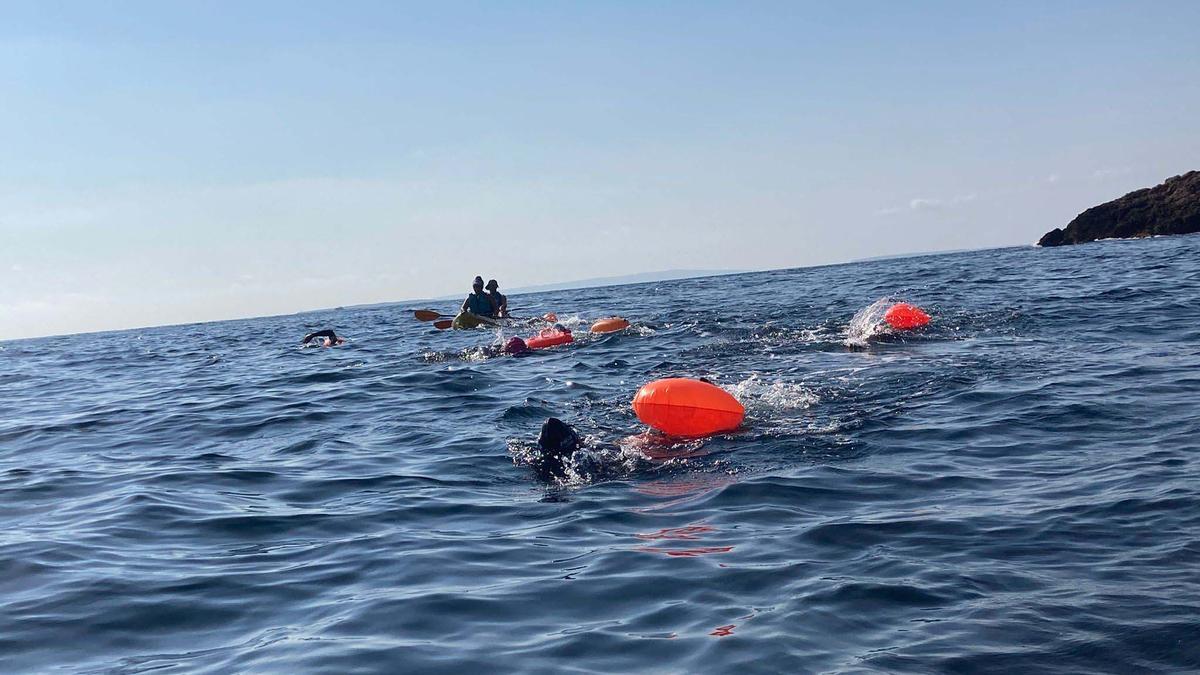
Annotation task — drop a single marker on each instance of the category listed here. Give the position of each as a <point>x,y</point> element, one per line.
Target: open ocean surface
<point>1015,489</point>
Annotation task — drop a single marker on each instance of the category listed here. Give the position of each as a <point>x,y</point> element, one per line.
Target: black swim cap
<point>492,284</point>
<point>478,281</point>
<point>558,437</point>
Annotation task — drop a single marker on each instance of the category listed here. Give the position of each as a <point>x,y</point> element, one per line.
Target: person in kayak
<point>330,338</point>
<point>499,300</point>
<point>478,302</point>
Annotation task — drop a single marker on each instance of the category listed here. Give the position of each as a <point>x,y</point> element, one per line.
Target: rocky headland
<point>1170,208</point>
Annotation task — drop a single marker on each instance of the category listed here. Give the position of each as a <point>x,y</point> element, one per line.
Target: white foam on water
<point>662,449</point>
<point>475,354</point>
<point>868,323</point>
<point>572,322</point>
<point>760,396</point>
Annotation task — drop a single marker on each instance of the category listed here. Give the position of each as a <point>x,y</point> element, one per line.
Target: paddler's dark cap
<point>478,281</point>
<point>492,285</point>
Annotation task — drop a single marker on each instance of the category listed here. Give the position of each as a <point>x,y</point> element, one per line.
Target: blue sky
<point>177,162</point>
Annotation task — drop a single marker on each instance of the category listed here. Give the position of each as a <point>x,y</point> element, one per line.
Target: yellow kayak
<point>467,320</point>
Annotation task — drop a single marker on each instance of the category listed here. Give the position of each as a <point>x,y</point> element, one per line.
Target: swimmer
<point>514,347</point>
<point>556,442</point>
<point>330,339</point>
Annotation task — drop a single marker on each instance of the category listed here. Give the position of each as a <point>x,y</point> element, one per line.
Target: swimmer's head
<point>557,437</point>
<point>515,345</point>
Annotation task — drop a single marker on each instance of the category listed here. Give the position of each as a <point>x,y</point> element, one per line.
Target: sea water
<point>1015,488</point>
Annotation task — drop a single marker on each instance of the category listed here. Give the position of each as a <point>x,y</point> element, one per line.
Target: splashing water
<point>762,398</point>
<point>868,323</point>
<point>596,461</point>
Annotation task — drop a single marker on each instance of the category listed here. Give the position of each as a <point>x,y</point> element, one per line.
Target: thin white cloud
<point>1111,172</point>
<point>927,204</point>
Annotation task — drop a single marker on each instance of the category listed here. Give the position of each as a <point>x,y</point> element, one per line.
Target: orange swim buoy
<point>685,407</point>
<point>903,316</point>
<point>610,325</point>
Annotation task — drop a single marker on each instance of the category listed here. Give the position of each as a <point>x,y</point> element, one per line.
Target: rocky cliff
<point>1170,208</point>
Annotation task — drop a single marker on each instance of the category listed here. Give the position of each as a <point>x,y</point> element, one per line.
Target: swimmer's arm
<point>320,334</point>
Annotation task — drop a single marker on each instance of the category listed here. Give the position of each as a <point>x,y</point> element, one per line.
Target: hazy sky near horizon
<point>187,161</point>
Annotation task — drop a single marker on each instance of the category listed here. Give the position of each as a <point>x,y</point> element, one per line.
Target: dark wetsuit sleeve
<point>320,334</point>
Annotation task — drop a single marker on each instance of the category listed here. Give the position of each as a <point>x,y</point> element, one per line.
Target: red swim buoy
<point>549,338</point>
<point>686,407</point>
<point>903,316</point>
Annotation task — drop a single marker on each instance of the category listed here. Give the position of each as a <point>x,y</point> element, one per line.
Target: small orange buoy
<point>686,407</point>
<point>610,325</point>
<point>903,316</point>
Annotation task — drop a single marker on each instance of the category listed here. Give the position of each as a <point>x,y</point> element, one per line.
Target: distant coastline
<point>625,279</point>
<point>917,254</point>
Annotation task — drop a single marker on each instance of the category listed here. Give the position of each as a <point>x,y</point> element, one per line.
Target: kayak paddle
<point>429,315</point>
